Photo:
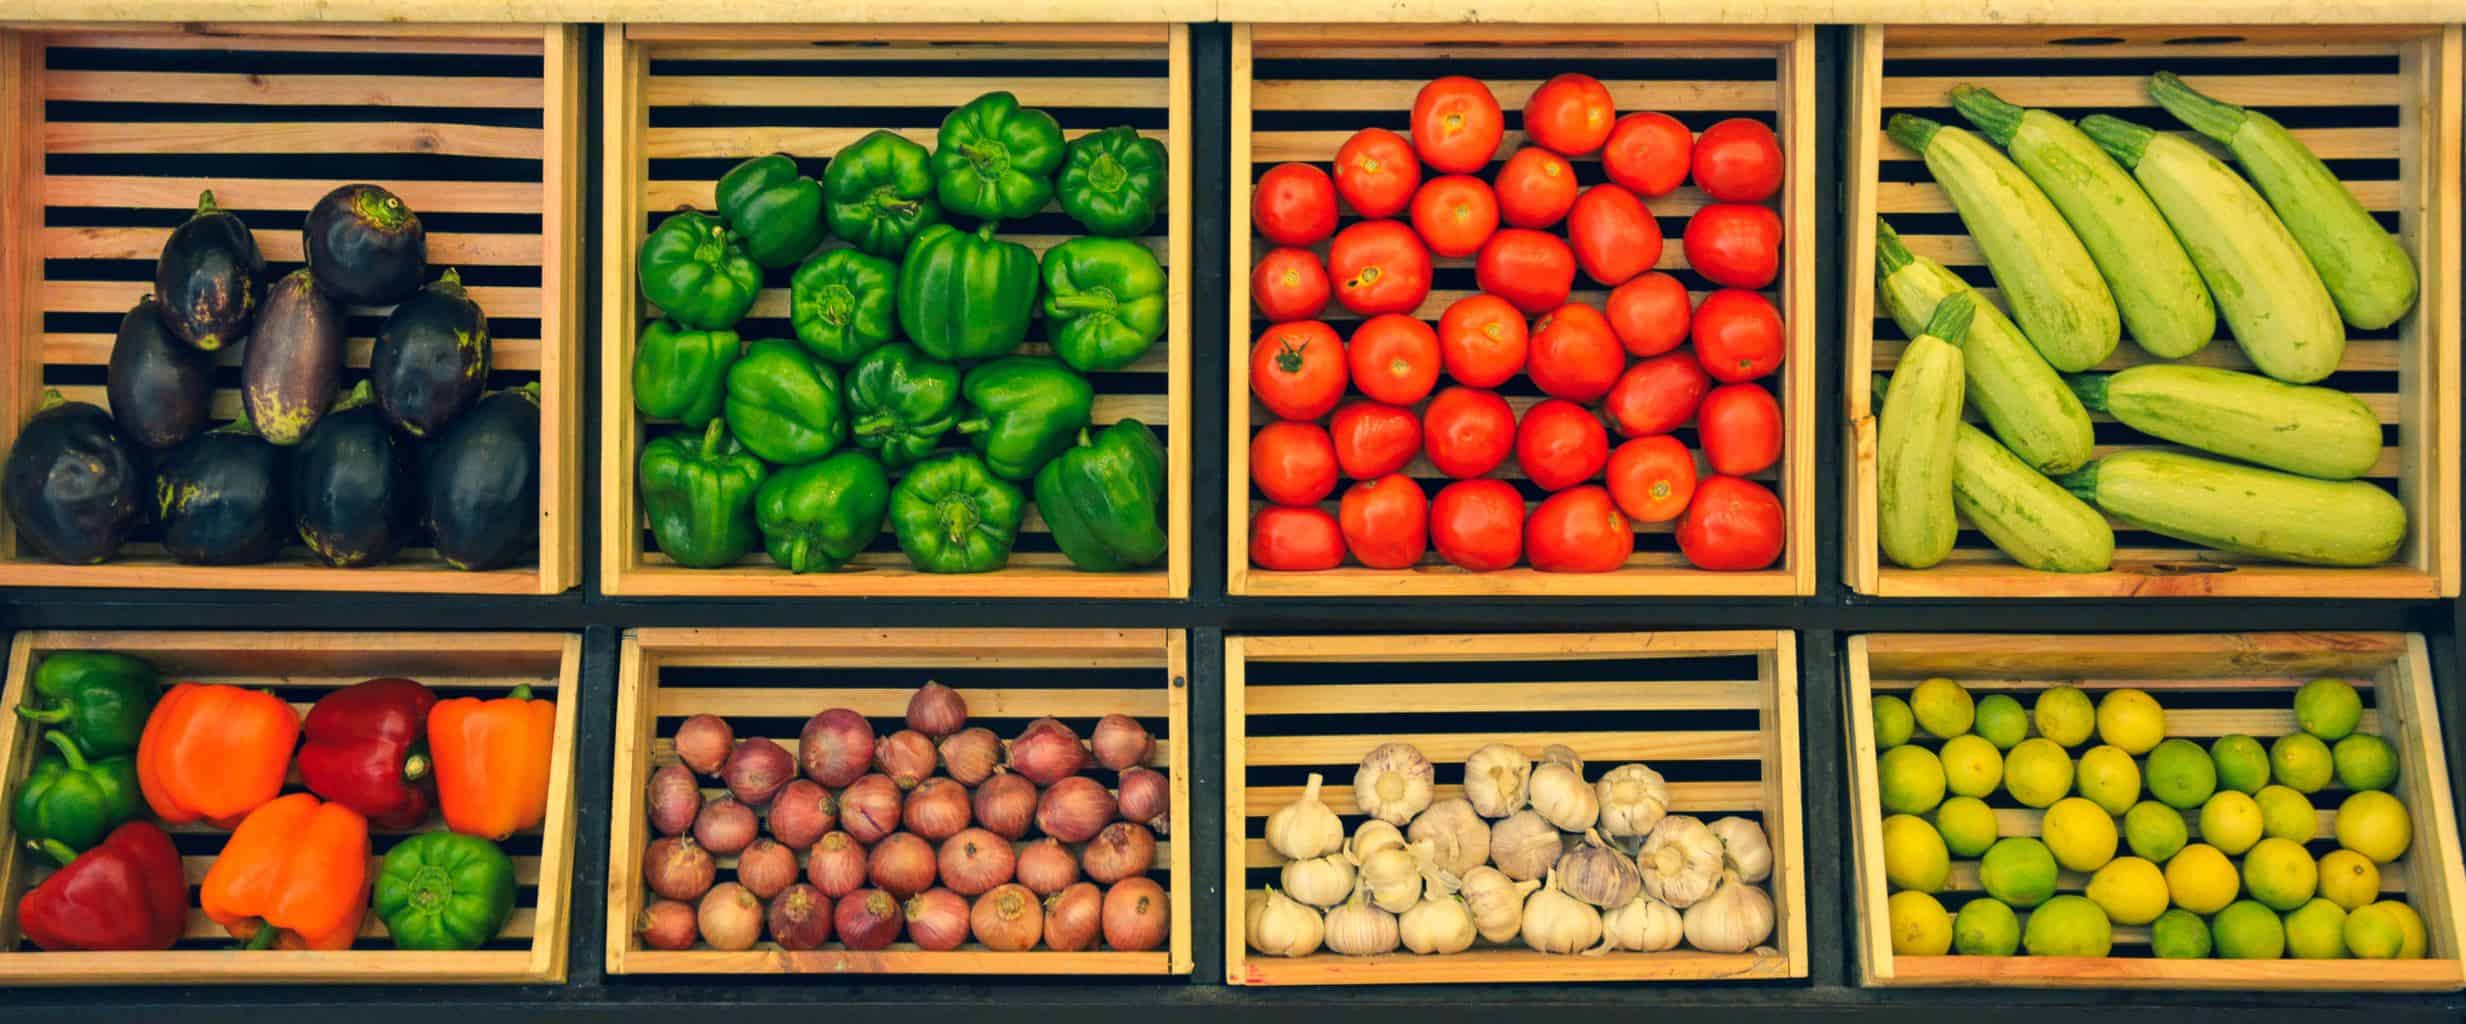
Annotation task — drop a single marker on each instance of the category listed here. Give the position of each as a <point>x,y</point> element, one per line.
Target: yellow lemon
<point>1943,708</point>
<point>2201,880</point>
<point>2063,714</point>
<point>2068,926</point>
<point>2374,932</point>
<point>2109,777</point>
<point>2231,822</point>
<point>2302,762</point>
<point>1919,925</point>
<point>2018,870</point>
<point>1986,927</point>
<point>2279,874</point>
<point>2132,720</point>
<point>2317,931</point>
<point>2037,772</point>
<point>2410,930</point>
<point>2365,761</point>
<point>2349,879</point>
<point>1893,721</point>
<point>1914,855</point>
<point>2287,814</point>
<point>2080,834</point>
<point>2132,891</point>
<point>1911,778</point>
<point>1972,766</point>
<point>2375,825</point>
<point>1967,824</point>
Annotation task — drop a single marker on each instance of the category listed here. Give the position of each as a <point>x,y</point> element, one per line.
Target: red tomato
<point>1482,340</point>
<point>1652,478</point>
<point>1578,530</point>
<point>1740,425</point>
<point>1290,284</point>
<point>1468,431</point>
<point>1379,266</point>
<point>1737,335</point>
<point>1614,236</point>
<point>1373,440</point>
<point>1478,524</point>
<point>1455,214</point>
<point>1295,539</point>
<point>1532,269</point>
<point>1386,522</point>
<point>1395,358</point>
<point>1735,245</point>
<point>1574,356</point>
<point>1560,444</point>
<point>1656,395</point>
<point>1570,114</point>
<point>1294,204</point>
<point>1648,153</point>
<point>1738,161</point>
<point>1733,525</point>
<point>1376,172</point>
<point>1297,369</point>
<point>1535,188</point>
<point>1456,124</point>
<point>1649,313</point>
<point>1293,463</point>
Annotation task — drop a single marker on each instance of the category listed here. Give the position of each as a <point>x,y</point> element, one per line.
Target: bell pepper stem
<point>68,750</point>
<point>522,692</point>
<point>985,230</point>
<point>875,425</point>
<point>48,716</point>
<point>974,426</point>
<point>264,937</point>
<point>1084,302</point>
<point>52,399</point>
<point>713,437</point>
<point>61,853</point>
<point>417,766</point>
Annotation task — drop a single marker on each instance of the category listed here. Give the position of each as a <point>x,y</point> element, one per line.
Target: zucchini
<point>1915,430</point>
<point>2008,382</point>
<point>2160,295</point>
<point>2367,272</point>
<point>2046,276</point>
<point>2272,298</point>
<point>2026,515</point>
<point>2245,509</point>
<point>2315,431</point>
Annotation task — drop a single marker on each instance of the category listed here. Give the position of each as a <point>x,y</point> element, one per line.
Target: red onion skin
<point>937,920</point>
<point>1047,752</point>
<point>674,799</point>
<point>678,868</point>
<point>906,756</point>
<point>1006,805</point>
<point>725,827</point>
<point>1121,742</point>
<point>668,924</point>
<point>974,861</point>
<point>1047,867</point>
<point>836,747</point>
<point>936,810</point>
<point>704,742</point>
<point>868,919</point>
<point>1074,809</point>
<point>1122,850</point>
<point>802,812</point>
<point>1136,913</point>
<point>869,808</point>
<point>1008,919</point>
<point>902,865</point>
<point>1072,917</point>
<point>1146,797</point>
<point>756,771</point>
<point>800,918</point>
<point>837,866</point>
<point>937,710</point>
<point>970,755</point>
<point>767,868</point>
<point>730,917</point>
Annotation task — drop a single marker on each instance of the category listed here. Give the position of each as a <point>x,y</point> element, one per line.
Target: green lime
<point>1943,708</point>
<point>1967,825</point>
<point>2317,931</point>
<point>2132,891</point>
<point>2375,825</point>
<point>2068,926</point>
<point>1893,721</point>
<point>1972,766</point>
<point>2179,935</point>
<point>2246,930</point>
<point>2181,774</point>
<point>1914,855</point>
<point>2231,822</point>
<point>1919,925</point>
<point>2302,762</point>
<point>2037,772</point>
<point>2131,719</point>
<point>2063,714</point>
<point>1986,927</point>
<point>2154,831</point>
<point>1912,779</point>
<point>2287,814</point>
<point>2365,761</point>
<point>2243,765</point>
<point>2374,932</point>
<point>2202,880</point>
<point>2001,720</point>
<point>2080,834</point>
<point>2018,870</point>
<point>2109,777</point>
<point>2280,874</point>
<point>2328,708</point>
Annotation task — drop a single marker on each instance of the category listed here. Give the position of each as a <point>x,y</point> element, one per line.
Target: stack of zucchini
<point>2092,228</point>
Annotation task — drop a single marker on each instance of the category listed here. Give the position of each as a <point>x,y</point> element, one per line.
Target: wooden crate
<point>1715,712</point>
<point>768,682</point>
<point>300,667</point>
<point>2213,684</point>
<point>477,127</point>
<point>687,102</point>
<point>2380,104</point>
<point>1300,90</point>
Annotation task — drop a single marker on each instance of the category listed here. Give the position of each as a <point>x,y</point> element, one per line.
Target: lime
<point>2132,891</point>
<point>1967,825</point>
<point>2317,931</point>
<point>2201,880</point>
<point>2037,772</point>
<point>1986,927</point>
<point>2246,930</point>
<point>2231,822</point>
<point>2375,825</point>
<point>2287,814</point>
<point>2080,834</point>
<point>2132,720</point>
<point>1914,856</point>
<point>2365,761</point>
<point>1919,925</point>
<point>2243,766</point>
<point>2109,777</point>
<point>2280,874</point>
<point>2063,715</point>
<point>2068,926</point>
<point>1912,779</point>
<point>2328,708</point>
<point>2181,774</point>
<point>2179,935</point>
<point>2374,932</point>
<point>1972,766</point>
<point>2410,930</point>
<point>2001,721</point>
<point>1943,708</point>
<point>1893,721</point>
<point>2301,761</point>
<point>2154,831</point>
<point>2018,870</point>
<point>2349,879</point>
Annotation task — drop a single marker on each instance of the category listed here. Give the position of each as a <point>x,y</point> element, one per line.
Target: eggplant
<point>221,500</point>
<point>292,367</point>
<point>74,484</point>
<point>431,357</point>
<point>353,492</point>
<point>482,482</point>
<point>366,247</point>
<point>159,386</point>
<point>207,277</point>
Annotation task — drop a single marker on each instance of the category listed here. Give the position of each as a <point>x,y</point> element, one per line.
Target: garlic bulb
<point>1438,924</point>
<point>1495,778</point>
<point>1633,799</point>
<point>1280,927</point>
<point>1374,835</point>
<point>1560,753</point>
<point>1732,920</point>
<point>1597,874</point>
<point>1359,929</point>
<point>1643,925</point>
<point>1497,902</point>
<point>1394,876</point>
<point>1394,783</point>
<point>1681,861</point>
<point>1305,828</point>
<point>1525,846</point>
<point>1460,839</point>
<point>1562,798</point>
<point>1319,881</point>
<point>1743,842</point>
<point>1555,922</point>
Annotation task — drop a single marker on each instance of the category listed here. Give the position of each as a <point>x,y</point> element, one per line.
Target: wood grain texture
<point>1490,15</point>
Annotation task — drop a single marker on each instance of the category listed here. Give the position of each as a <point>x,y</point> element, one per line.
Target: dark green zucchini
<point>482,482</point>
<point>353,491</point>
<point>157,384</point>
<point>221,500</point>
<point>431,357</point>
<point>292,367</point>
<point>207,277</point>
<point>73,484</point>
<point>366,247</point>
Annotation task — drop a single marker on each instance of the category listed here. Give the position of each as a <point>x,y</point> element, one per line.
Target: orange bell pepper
<point>215,752</point>
<point>293,876</point>
<point>491,762</point>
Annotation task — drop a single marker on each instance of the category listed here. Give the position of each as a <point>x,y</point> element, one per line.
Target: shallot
<point>802,812</point>
<point>1006,805</point>
<point>974,861</point>
<point>767,868</point>
<point>703,742</point>
<point>836,747</point>
<point>1121,742</point>
<point>1072,917</point>
<point>867,919</point>
<point>869,808</point>
<point>1136,914</point>
<point>1008,919</point>
<point>1122,850</point>
<point>668,924</point>
<point>801,918</point>
<point>725,826</point>
<point>1145,798</point>
<point>937,920</point>
<point>837,866</point>
<point>902,864</point>
<point>937,710</point>
<point>906,756</point>
<point>678,868</point>
<point>674,799</point>
<point>1047,752</point>
<point>970,755</point>
<point>756,770</point>
<point>1074,809</point>
<point>1046,867</point>
<point>730,917</point>
<point>936,810</point>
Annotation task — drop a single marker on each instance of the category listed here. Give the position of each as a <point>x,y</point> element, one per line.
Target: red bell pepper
<point>128,893</point>
<point>367,750</point>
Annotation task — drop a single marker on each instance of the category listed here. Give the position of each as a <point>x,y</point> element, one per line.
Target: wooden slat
<point>518,925</point>
<point>362,138</point>
<point>1386,698</point>
<point>1603,747</point>
<point>664,749</point>
<point>445,248</point>
<point>1393,95</point>
<point>1503,966</point>
<point>755,140</point>
<point>1702,798</point>
<point>2078,91</point>
<point>901,959</point>
<point>183,87</point>
<point>241,195</point>
<point>729,701</point>
<point>901,91</point>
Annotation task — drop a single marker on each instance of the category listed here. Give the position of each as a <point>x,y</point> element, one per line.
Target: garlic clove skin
<point>1643,925</point>
<point>1394,877</point>
<point>1633,799</point>
<point>1460,839</point>
<point>1373,836</point>
<point>1306,827</point>
<point>1525,845</point>
<point>1438,924</point>
<point>1597,874</point>
<point>1319,881</point>
<point>1560,796</point>
<point>1394,783</point>
<point>1732,920</point>
<point>1681,861</point>
<point>1497,902</point>
<point>1744,844</point>
<point>1496,780</point>
<point>1278,926</point>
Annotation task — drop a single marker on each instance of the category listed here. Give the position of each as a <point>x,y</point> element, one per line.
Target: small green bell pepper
<point>994,160</point>
<point>786,408</point>
<point>901,403</point>
<point>72,800</point>
<point>680,373</point>
<point>1104,302</point>
<point>844,304</point>
<point>951,514</point>
<point>1105,499</point>
<point>1024,411</point>
<point>696,271</point>
<point>777,211</point>
<point>878,193</point>
<point>965,296</point>
<point>816,517</point>
<point>699,496</point>
<point>444,891</point>
<point>1113,181</point>
<point>98,698</point>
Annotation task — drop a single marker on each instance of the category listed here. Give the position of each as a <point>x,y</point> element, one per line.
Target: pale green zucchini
<point>2009,383</point>
<point>2245,509</point>
<point>2026,515</point>
<point>1914,438</point>
<point>2315,431</point>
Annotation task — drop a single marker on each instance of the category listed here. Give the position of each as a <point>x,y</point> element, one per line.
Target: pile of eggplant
<point>353,474</point>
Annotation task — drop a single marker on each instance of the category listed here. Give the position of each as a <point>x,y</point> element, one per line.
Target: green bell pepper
<point>844,304</point>
<point>878,193</point>
<point>777,211</point>
<point>1104,302</point>
<point>965,296</point>
<point>901,403</point>
<point>1113,181</point>
<point>699,497</point>
<point>74,801</point>
<point>696,271</point>
<point>951,514</point>
<point>785,406</point>
<point>1105,499</point>
<point>98,698</point>
<point>1025,410</point>
<point>994,160</point>
<point>444,891</point>
<point>681,374</point>
<point>816,517</point>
